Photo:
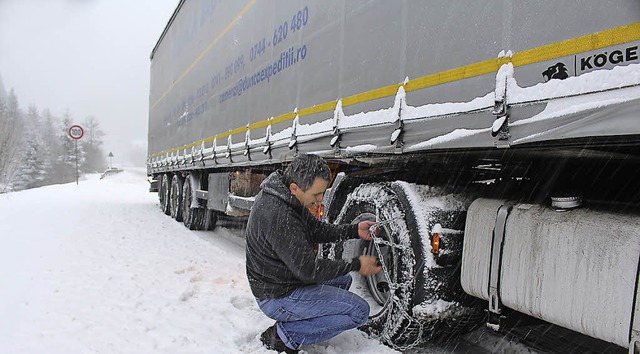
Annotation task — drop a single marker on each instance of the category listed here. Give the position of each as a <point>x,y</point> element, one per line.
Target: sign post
<point>76,132</point>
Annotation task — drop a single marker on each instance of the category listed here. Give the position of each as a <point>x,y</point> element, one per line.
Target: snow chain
<point>412,322</point>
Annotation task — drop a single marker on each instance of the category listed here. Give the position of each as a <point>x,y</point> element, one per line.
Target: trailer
<point>497,143</point>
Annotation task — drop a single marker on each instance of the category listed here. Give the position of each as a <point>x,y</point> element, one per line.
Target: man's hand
<point>369,265</point>
<point>363,229</point>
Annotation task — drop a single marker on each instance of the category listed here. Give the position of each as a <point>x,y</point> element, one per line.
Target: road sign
<point>76,132</point>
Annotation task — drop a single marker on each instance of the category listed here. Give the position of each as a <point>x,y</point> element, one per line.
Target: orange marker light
<point>320,212</point>
<point>435,243</point>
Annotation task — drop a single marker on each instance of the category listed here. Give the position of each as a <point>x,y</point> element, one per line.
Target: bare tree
<point>92,131</point>
<point>95,159</point>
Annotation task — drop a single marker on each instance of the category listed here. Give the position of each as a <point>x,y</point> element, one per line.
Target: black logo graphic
<point>557,71</point>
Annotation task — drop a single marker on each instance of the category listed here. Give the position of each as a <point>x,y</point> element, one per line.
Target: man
<point>307,296</point>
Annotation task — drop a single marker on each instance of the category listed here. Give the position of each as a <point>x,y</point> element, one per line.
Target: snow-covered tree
<point>50,143</point>
<point>3,92</point>
<point>64,166</point>
<point>11,130</point>
<point>36,150</point>
<point>30,173</point>
<point>34,161</point>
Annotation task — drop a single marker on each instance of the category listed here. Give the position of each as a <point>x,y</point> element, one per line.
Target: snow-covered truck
<point>496,142</point>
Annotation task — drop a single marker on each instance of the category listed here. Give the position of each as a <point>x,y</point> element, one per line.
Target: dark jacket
<point>280,236</point>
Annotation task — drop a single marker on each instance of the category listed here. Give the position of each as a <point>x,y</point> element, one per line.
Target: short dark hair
<point>304,170</point>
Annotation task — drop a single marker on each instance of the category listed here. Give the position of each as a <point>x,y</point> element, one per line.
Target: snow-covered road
<point>97,268</point>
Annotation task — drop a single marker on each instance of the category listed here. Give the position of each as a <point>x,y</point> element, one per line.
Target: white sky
<point>88,56</point>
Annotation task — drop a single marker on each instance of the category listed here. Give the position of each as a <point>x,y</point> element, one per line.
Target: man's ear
<point>293,188</point>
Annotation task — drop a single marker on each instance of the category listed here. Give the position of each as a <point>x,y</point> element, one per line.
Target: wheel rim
<point>378,284</point>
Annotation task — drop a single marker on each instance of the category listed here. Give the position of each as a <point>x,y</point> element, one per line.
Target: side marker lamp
<point>435,243</point>
<point>319,211</point>
<point>436,231</point>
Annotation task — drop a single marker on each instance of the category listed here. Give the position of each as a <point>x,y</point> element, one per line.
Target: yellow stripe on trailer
<point>582,44</point>
<point>603,39</point>
<point>204,52</point>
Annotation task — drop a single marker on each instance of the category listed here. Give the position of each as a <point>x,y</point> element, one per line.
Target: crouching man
<point>308,297</point>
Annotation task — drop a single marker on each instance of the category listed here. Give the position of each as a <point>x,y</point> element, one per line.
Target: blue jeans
<point>316,313</point>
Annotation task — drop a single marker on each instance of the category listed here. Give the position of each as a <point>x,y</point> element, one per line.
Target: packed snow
<point>97,268</point>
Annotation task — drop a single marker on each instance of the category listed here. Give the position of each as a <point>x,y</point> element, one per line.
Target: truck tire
<point>389,317</point>
<point>175,199</point>
<point>210,219</point>
<point>163,193</point>
<point>192,217</point>
<point>160,192</point>
<point>395,294</point>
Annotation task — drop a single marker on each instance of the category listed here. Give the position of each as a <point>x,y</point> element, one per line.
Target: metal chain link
<point>377,241</point>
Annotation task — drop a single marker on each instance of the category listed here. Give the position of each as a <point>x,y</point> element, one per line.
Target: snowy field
<point>97,268</point>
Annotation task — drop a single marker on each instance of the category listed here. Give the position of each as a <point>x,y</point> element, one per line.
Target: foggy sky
<point>88,56</point>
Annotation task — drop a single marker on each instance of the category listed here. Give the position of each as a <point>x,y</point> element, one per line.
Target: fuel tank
<point>575,268</point>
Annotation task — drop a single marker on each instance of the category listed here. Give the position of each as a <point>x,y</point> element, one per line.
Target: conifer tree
<point>31,171</point>
<point>50,144</point>
<point>65,163</point>
<point>11,130</point>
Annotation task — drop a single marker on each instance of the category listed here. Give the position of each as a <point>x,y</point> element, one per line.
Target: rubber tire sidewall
<point>393,323</point>
<point>175,201</point>
<point>165,190</point>
<point>193,218</point>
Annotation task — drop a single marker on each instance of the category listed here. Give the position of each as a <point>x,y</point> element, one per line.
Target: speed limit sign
<point>76,132</point>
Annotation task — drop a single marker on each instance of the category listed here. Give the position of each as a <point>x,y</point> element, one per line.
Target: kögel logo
<point>556,71</point>
<point>594,60</point>
<point>614,57</point>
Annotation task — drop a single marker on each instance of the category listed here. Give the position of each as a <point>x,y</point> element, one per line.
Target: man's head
<point>307,178</point>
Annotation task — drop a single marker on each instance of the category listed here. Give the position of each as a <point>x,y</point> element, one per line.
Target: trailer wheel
<point>160,192</point>
<point>210,219</point>
<point>163,194</point>
<point>192,217</point>
<point>395,295</point>
<point>175,200</point>
<point>390,298</point>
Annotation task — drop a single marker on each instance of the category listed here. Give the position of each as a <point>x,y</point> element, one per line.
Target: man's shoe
<point>272,341</point>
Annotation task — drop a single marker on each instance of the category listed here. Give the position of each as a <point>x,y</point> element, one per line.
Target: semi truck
<point>495,142</point>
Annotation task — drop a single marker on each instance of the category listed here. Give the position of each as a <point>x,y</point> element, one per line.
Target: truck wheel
<point>390,298</point>
<point>192,217</point>
<point>210,219</point>
<point>175,200</point>
<point>406,297</point>
<point>160,192</point>
<point>163,194</point>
